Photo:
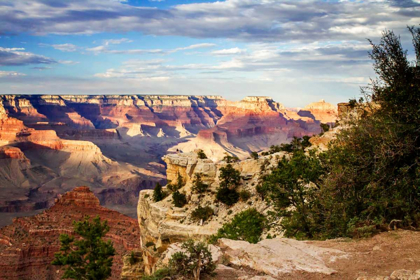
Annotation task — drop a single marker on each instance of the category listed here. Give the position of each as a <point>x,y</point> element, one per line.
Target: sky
<point>295,51</point>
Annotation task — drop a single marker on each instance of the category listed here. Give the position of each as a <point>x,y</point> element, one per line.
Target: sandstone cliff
<point>163,224</point>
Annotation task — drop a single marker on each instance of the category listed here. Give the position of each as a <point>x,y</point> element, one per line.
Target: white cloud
<point>65,47</point>
<point>193,47</point>
<point>18,57</point>
<point>68,62</point>
<point>231,51</point>
<point>10,74</point>
<point>117,41</point>
<point>248,20</point>
<point>105,49</point>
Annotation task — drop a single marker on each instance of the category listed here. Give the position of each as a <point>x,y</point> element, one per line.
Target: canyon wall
<point>28,245</point>
<point>114,143</point>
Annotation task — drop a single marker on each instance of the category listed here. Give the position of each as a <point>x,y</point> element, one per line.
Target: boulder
<point>279,256</point>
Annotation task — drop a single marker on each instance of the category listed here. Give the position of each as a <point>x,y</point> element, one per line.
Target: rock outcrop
<point>322,111</point>
<point>164,224</point>
<point>275,257</point>
<point>28,245</point>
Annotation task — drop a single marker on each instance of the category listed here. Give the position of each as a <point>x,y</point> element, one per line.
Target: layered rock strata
<point>27,246</point>
<point>163,224</point>
<point>114,143</point>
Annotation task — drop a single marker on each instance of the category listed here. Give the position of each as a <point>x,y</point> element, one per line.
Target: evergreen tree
<point>87,256</point>
<point>229,181</point>
<point>158,194</point>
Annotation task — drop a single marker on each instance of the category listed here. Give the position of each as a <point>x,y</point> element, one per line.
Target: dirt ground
<point>376,256</point>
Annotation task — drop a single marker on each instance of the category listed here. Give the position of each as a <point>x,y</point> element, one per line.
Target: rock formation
<point>322,111</point>
<point>114,143</point>
<point>28,245</point>
<point>163,224</point>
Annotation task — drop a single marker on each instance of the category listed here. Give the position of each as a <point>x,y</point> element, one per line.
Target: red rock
<point>27,246</point>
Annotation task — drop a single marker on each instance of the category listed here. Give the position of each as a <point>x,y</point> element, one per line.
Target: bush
<point>247,225</point>
<point>227,196</point>
<point>262,190</point>
<point>288,190</point>
<point>199,186</point>
<point>133,259</point>
<point>229,177</point>
<point>229,181</point>
<point>230,159</point>
<point>201,154</point>
<point>160,274</point>
<point>179,199</point>
<point>295,145</point>
<point>192,262</point>
<point>374,165</point>
<point>150,244</point>
<point>325,127</point>
<point>158,194</point>
<point>244,195</point>
<point>254,155</point>
<point>202,213</point>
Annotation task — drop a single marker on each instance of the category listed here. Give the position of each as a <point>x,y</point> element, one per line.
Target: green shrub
<point>229,177</point>
<point>295,145</point>
<point>192,262</point>
<point>254,155</point>
<point>227,196</point>
<point>247,225</point>
<point>158,194</point>
<point>133,259</point>
<point>229,180</point>
<point>230,159</point>
<point>262,190</point>
<point>325,127</point>
<point>202,213</point>
<point>179,199</point>
<point>288,190</point>
<point>244,195</point>
<point>199,186</point>
<point>150,244</point>
<point>160,274</point>
<point>201,154</point>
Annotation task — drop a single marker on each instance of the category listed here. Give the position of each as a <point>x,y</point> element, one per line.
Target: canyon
<point>114,144</point>
<point>27,246</point>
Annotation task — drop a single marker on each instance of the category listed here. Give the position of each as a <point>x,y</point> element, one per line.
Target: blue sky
<point>295,51</point>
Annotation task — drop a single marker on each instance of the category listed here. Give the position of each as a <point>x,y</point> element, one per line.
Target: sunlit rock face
<point>28,245</point>
<point>322,111</point>
<point>115,143</point>
<point>163,224</point>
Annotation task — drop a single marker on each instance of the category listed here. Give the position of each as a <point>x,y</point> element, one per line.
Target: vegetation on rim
<point>370,175</point>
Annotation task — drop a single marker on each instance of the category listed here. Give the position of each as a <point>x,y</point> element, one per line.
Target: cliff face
<point>114,143</point>
<point>27,246</point>
<point>253,124</point>
<point>164,224</point>
<point>322,111</point>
